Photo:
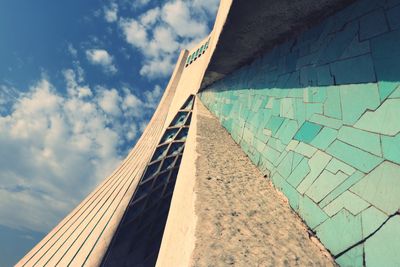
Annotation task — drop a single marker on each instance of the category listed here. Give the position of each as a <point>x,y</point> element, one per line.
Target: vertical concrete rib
<point>84,235</point>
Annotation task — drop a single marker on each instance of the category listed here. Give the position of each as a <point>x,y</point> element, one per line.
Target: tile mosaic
<point>384,120</point>
<point>324,138</point>
<point>354,178</point>
<point>382,249</point>
<point>362,139</point>
<point>299,173</point>
<point>381,187</point>
<point>391,147</point>
<point>352,258</point>
<point>311,213</point>
<point>373,24</point>
<point>355,157</point>
<point>372,219</point>
<point>317,164</point>
<point>324,184</point>
<point>348,201</point>
<point>343,225</point>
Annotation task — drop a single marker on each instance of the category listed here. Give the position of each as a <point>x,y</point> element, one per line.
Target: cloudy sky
<point>78,82</point>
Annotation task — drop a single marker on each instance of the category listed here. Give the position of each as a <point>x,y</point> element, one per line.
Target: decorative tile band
<point>319,115</point>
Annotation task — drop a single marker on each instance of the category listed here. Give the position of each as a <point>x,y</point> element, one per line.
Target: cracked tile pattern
<point>319,116</point>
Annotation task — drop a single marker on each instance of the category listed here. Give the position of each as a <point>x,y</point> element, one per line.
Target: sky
<point>79,80</point>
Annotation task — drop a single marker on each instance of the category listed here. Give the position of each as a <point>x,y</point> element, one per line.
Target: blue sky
<point>78,82</point>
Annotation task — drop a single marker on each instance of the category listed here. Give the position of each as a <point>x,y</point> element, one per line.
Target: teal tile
<point>393,17</point>
<point>324,138</point>
<point>258,145</point>
<point>384,120</point>
<point>276,144</point>
<point>324,184</point>
<point>314,95</point>
<point>372,219</point>
<point>286,108</point>
<point>291,193</point>
<point>248,135</point>
<point>286,134</point>
<point>326,121</point>
<point>349,201</point>
<point>353,156</point>
<point>336,165</point>
<point>386,59</point>
<point>391,148</point>
<point>285,166</point>
<point>296,159</point>
<point>386,88</point>
<point>317,164</point>
<point>305,150</point>
<point>340,232</point>
<point>352,258</point>
<point>324,76</point>
<point>362,70</point>
<point>373,24</point>
<point>381,187</point>
<point>226,110</point>
<point>311,213</point>
<point>382,249</point>
<point>356,48</point>
<point>271,154</point>
<point>332,106</point>
<point>356,99</point>
<point>299,173</point>
<point>274,124</point>
<point>265,166</point>
<point>396,93</point>
<point>300,111</point>
<point>362,139</point>
<point>276,108</point>
<point>313,108</point>
<point>307,132</point>
<point>280,158</point>
<point>337,45</point>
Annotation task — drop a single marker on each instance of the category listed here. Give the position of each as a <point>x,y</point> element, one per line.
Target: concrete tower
<point>310,91</point>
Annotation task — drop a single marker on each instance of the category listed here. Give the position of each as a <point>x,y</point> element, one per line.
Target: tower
<point>310,92</point>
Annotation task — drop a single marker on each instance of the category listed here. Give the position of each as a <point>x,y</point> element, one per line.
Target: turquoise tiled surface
<point>352,258</point>
<point>320,116</point>
<point>382,248</point>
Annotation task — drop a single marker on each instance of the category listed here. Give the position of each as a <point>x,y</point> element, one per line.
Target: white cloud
<point>159,33</point>
<point>111,13</point>
<point>153,97</point>
<point>178,17</point>
<point>55,148</point>
<point>134,32</point>
<point>109,101</point>
<point>72,50</point>
<point>140,3</point>
<point>103,58</point>
<point>150,17</point>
